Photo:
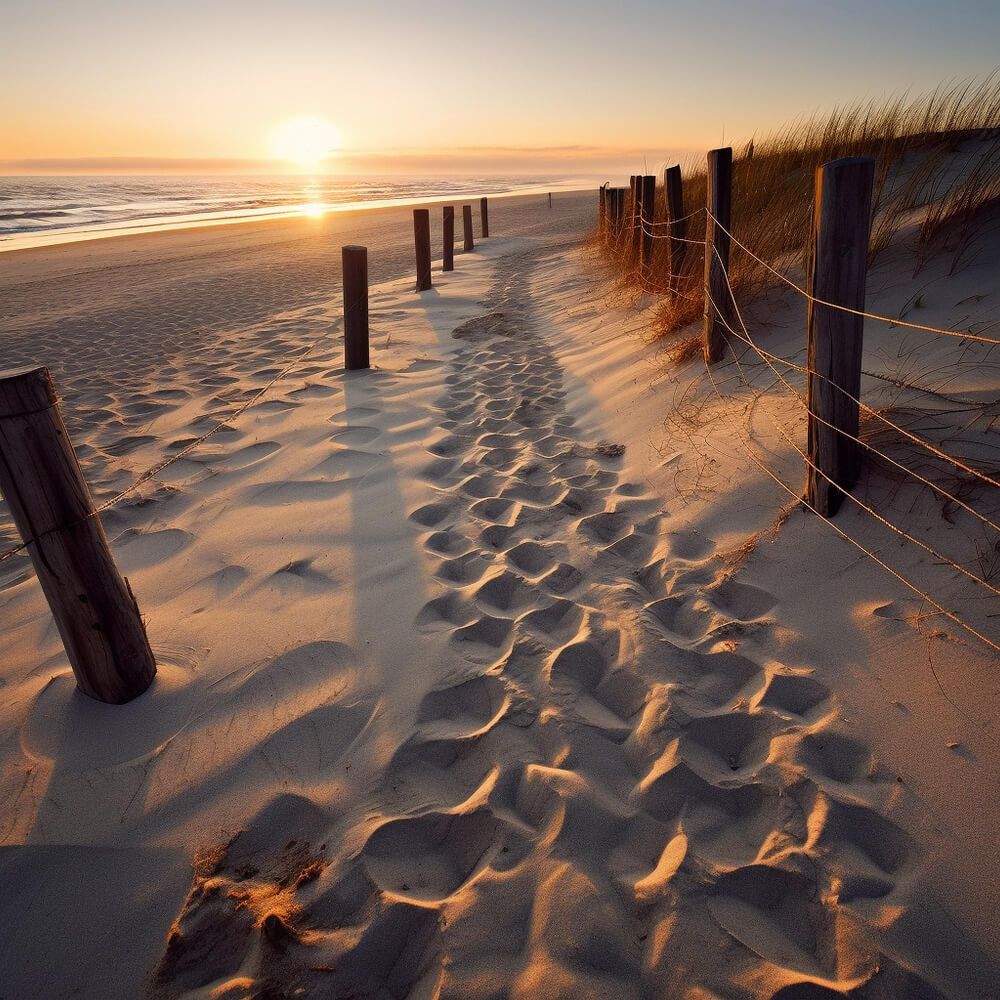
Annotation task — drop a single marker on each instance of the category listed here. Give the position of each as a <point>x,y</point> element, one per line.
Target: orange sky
<point>557,87</point>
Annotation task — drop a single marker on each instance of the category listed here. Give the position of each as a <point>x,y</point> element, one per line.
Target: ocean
<point>42,210</point>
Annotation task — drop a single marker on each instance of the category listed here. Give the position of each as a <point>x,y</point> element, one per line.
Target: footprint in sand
<point>431,857</point>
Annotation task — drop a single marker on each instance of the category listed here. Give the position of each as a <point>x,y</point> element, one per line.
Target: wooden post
<point>636,244</point>
<point>550,199</point>
<point>449,238</point>
<point>720,178</point>
<point>355,269</point>
<point>422,242</point>
<point>647,214</point>
<point>484,217</point>
<point>674,197</point>
<point>841,230</point>
<point>93,605</point>
<point>602,208</point>
<point>619,205</point>
<point>470,243</point>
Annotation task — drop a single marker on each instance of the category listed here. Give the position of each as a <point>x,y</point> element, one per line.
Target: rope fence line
<point>768,357</point>
<point>958,463</point>
<point>639,254</point>
<point>962,334</point>
<point>797,496</point>
<point>647,225</point>
<point>860,503</point>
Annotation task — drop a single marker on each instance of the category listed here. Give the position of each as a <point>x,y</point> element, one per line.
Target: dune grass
<point>937,167</point>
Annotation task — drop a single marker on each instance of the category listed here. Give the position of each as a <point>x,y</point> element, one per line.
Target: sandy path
<point>608,781</point>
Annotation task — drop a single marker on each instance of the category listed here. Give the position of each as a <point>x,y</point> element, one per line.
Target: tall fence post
<point>647,215</point>
<point>717,302</point>
<point>449,238</point>
<point>470,243</point>
<point>484,217</point>
<point>838,268</point>
<point>673,191</point>
<point>355,270</point>
<point>422,243</point>
<point>602,209</point>
<point>635,243</point>
<point>92,603</point>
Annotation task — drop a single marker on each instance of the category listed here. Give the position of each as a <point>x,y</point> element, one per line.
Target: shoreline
<point>141,227</point>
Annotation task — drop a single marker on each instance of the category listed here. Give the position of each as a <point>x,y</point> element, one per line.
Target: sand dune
<point>461,696</point>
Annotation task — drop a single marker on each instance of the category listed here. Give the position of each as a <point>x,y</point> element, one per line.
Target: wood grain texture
<point>647,209</point>
<point>718,306</point>
<point>673,189</point>
<point>93,605</point>
<point>837,273</point>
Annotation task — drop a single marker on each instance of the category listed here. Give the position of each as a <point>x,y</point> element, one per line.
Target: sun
<point>305,140</point>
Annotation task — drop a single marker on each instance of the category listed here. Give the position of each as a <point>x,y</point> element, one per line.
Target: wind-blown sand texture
<point>463,690</point>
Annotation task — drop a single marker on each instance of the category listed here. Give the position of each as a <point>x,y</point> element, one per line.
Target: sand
<point>463,690</point>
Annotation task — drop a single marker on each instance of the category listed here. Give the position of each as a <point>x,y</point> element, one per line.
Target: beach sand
<point>489,672</point>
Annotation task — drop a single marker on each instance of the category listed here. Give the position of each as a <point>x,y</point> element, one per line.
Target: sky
<point>548,86</point>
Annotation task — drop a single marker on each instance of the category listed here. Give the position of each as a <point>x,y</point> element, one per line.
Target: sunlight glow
<point>305,141</point>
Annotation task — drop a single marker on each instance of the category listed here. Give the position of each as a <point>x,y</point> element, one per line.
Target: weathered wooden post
<point>470,243</point>
<point>422,243</point>
<point>628,214</point>
<point>93,605</point>
<point>602,209</point>
<point>550,199</point>
<point>449,238</point>
<point>841,230</point>
<point>484,217</point>
<point>674,198</point>
<point>355,269</point>
<point>619,205</point>
<point>647,214</point>
<point>717,301</point>
<point>636,244</point>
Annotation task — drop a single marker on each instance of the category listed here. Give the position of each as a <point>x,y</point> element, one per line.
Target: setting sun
<point>305,140</point>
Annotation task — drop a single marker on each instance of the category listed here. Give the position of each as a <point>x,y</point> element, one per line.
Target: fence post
<point>628,214</point>
<point>620,204</point>
<point>550,199</point>
<point>648,213</point>
<point>484,217</point>
<point>636,241</point>
<point>720,181</point>
<point>449,238</point>
<point>93,605</point>
<point>602,208</point>
<point>355,270</point>
<point>470,243</point>
<point>422,243</point>
<point>838,267</point>
<point>674,197</point>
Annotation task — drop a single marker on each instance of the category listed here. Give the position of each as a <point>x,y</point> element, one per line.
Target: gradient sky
<point>539,85</point>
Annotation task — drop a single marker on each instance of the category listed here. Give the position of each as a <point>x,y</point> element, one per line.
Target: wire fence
<point>623,243</point>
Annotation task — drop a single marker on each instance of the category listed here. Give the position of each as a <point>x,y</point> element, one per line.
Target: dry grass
<point>938,166</point>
